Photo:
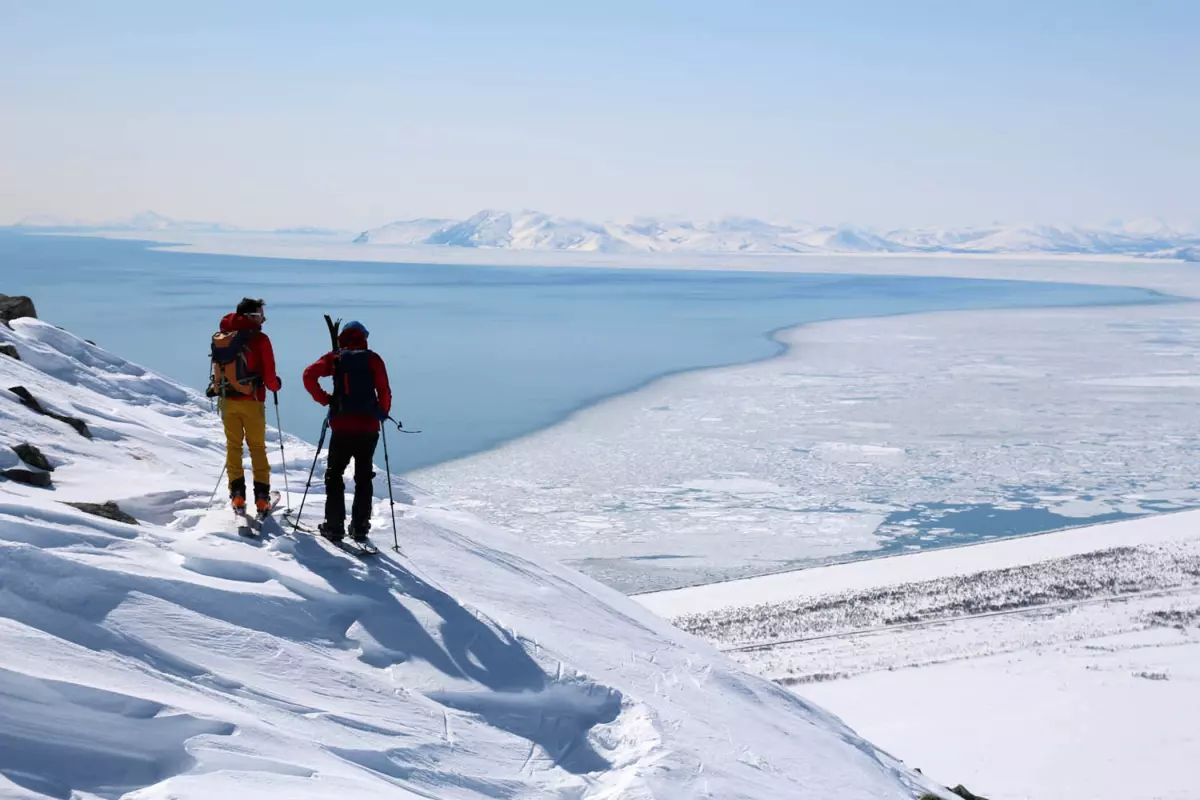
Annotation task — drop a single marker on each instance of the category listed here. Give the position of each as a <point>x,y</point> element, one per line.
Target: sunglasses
<point>261,316</point>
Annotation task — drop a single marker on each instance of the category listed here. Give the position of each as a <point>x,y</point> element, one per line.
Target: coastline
<point>1165,275</point>
<point>780,338</point>
<point>539,504</point>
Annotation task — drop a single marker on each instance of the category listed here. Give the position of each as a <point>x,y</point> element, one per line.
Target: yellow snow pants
<point>246,419</point>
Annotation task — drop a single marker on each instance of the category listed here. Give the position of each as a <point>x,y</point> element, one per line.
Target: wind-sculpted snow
<point>177,659</point>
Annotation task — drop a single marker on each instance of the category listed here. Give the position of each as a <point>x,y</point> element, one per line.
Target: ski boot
<point>237,495</point>
<point>333,533</point>
<point>262,499</point>
<point>359,531</point>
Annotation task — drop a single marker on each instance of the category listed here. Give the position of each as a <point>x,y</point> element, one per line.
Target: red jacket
<point>323,368</point>
<point>260,357</point>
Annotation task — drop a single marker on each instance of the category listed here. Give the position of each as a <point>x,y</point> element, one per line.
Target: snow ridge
<point>177,659</point>
<point>532,230</point>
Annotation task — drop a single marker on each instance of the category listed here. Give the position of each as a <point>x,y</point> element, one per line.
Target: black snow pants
<point>342,448</point>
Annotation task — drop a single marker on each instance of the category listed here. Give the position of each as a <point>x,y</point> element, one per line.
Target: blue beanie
<point>355,325</point>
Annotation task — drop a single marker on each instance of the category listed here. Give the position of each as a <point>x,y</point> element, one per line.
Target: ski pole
<point>220,412</point>
<point>387,464</point>
<point>282,454</point>
<point>320,444</point>
<point>220,478</point>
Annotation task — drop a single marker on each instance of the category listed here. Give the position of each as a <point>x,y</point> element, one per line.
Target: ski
<point>360,549</point>
<point>252,526</point>
<point>289,524</point>
<point>245,527</point>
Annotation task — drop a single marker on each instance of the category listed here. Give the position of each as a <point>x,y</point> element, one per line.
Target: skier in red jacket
<point>361,398</point>
<point>243,395</point>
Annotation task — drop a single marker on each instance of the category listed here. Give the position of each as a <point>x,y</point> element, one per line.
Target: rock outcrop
<point>27,477</point>
<point>30,402</point>
<point>109,510</point>
<point>14,308</point>
<point>32,456</point>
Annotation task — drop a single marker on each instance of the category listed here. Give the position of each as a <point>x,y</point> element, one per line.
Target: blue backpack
<point>354,384</point>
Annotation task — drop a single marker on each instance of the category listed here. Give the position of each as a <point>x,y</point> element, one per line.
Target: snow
<point>526,231</point>
<point>412,231</point>
<point>531,230</point>
<point>176,659</point>
<point>1044,418</point>
<point>534,232</point>
<point>941,564</point>
<point>1060,665</point>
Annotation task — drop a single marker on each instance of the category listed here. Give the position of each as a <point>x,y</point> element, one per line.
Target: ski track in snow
<point>175,659</point>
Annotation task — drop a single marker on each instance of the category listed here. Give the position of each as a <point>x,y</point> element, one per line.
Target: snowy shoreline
<point>1073,654</point>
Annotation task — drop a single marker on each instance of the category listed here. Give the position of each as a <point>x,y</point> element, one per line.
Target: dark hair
<point>249,305</point>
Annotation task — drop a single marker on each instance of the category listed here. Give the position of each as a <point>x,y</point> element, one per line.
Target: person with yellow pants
<point>242,382</point>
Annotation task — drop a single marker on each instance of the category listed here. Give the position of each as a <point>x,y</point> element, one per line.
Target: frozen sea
<point>479,355</point>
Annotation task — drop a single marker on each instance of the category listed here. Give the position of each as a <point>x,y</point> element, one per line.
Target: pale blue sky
<point>356,113</point>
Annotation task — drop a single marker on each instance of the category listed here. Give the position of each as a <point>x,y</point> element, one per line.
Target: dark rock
<point>14,308</point>
<point>30,402</point>
<point>10,351</point>
<point>28,477</point>
<point>27,399</point>
<point>109,510</point>
<point>33,457</point>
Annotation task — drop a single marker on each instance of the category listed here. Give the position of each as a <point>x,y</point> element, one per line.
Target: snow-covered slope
<point>175,659</point>
<point>534,231</point>
<point>526,231</point>
<point>1073,654</point>
<point>413,231</point>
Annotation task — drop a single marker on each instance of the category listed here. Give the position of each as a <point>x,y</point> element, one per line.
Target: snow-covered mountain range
<point>147,650</point>
<point>144,221</point>
<point>532,230</point>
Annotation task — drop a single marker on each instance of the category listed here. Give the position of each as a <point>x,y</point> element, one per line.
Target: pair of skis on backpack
<point>251,527</point>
